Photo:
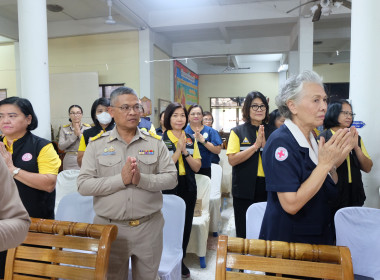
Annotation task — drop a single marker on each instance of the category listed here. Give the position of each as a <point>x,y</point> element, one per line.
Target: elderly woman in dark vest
<point>186,156</point>
<point>350,185</point>
<point>31,160</point>
<point>301,174</point>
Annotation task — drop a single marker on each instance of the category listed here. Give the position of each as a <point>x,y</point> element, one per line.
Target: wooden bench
<point>59,249</point>
<point>234,255</point>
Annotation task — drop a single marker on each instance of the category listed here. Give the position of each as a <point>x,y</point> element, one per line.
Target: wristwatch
<point>204,142</point>
<point>185,156</point>
<point>16,171</point>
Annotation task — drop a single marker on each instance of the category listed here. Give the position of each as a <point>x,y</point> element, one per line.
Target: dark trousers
<point>205,171</point>
<point>190,197</point>
<point>242,204</point>
<point>3,257</point>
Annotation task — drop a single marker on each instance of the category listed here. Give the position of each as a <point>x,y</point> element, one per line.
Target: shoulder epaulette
<point>97,136</point>
<point>86,124</point>
<point>66,125</point>
<point>154,135</point>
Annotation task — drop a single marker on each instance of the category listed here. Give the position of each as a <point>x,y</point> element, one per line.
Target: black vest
<point>190,176</point>
<point>244,174</point>
<point>93,131</point>
<point>39,204</point>
<point>348,196</point>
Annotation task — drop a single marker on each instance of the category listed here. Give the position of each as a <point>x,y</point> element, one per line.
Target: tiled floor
<point>228,228</point>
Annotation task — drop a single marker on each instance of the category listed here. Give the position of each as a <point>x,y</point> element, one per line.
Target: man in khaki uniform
<point>14,220</point>
<point>125,170</point>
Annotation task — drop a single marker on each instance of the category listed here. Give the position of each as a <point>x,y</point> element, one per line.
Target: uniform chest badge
<point>109,151</point>
<point>245,141</point>
<point>27,157</point>
<point>146,152</point>
<point>281,154</point>
<point>69,132</point>
<point>189,141</point>
<point>205,135</point>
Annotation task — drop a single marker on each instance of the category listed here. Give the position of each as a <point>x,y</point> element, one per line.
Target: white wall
<point>227,85</point>
<point>67,89</point>
<point>162,79</point>
<point>8,69</point>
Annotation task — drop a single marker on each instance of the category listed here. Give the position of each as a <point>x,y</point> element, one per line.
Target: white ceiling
<point>254,33</point>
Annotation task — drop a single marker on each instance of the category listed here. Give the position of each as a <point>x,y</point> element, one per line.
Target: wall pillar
<point>34,66</point>
<point>364,75</point>
<point>147,69</point>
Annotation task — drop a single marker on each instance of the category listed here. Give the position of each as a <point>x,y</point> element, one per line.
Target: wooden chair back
<point>58,249</point>
<point>280,260</point>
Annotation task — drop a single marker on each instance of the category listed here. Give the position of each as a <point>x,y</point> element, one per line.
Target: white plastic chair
<point>76,208</point>
<point>215,197</point>
<point>254,219</point>
<point>358,228</point>
<point>200,228</point>
<point>227,172</point>
<point>173,210</point>
<point>66,183</point>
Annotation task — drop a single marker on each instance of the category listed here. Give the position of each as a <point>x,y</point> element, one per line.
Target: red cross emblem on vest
<point>281,154</point>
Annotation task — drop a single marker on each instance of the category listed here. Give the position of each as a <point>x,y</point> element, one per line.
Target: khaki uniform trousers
<point>143,244</point>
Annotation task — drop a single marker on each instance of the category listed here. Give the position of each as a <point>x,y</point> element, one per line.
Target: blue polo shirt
<point>212,136</point>
<point>288,161</point>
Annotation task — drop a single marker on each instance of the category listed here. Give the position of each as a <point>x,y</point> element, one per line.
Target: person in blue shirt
<point>206,136</point>
<point>301,174</point>
<point>160,130</point>
<point>208,120</point>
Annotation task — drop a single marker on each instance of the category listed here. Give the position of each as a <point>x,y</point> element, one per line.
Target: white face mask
<point>104,118</point>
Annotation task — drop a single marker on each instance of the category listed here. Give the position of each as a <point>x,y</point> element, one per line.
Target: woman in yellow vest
<point>187,158</point>
<point>350,185</point>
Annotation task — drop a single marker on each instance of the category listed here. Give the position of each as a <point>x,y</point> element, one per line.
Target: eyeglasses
<point>207,120</point>
<point>126,108</point>
<point>195,114</point>
<point>257,107</point>
<point>75,114</point>
<point>348,114</point>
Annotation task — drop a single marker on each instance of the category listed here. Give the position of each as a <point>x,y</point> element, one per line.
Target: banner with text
<point>185,85</point>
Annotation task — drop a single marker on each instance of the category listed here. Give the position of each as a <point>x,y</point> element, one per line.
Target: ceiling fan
<point>231,68</point>
<point>324,7</point>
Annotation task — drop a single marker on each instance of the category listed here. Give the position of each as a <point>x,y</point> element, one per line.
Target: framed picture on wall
<point>162,104</point>
<point>3,93</point>
<point>106,89</point>
<point>147,106</point>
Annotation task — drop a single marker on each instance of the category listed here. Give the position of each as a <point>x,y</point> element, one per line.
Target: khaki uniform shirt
<point>68,141</point>
<point>100,175</point>
<point>14,220</point>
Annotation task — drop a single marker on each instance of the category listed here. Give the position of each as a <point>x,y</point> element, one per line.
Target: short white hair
<point>292,90</point>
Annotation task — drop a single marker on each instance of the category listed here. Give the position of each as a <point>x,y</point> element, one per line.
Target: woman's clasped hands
<point>332,152</point>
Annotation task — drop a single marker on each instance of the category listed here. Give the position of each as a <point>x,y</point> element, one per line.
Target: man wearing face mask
<point>103,122</point>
